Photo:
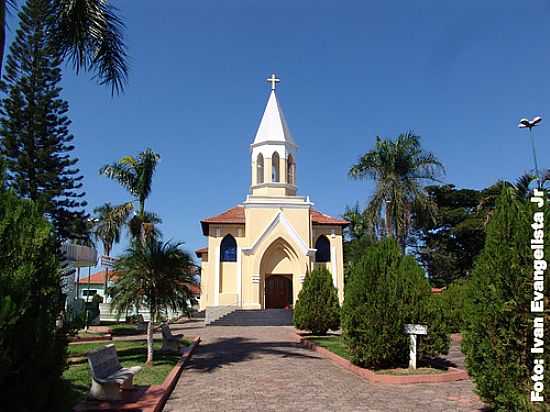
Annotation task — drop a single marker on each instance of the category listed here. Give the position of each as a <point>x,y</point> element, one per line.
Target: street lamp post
<point>529,124</point>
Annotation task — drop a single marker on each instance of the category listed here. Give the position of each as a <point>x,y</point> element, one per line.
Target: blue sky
<point>460,74</point>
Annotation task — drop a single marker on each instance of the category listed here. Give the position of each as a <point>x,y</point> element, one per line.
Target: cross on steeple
<point>273,80</point>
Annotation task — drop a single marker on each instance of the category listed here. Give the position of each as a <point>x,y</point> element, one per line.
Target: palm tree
<point>148,222</point>
<point>107,229</point>
<point>155,275</point>
<point>135,174</point>
<point>524,182</point>
<point>522,189</point>
<point>399,168</point>
<point>359,226</point>
<point>358,235</point>
<point>89,33</point>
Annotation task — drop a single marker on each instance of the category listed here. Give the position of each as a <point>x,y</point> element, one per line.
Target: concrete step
<point>268,317</point>
<point>213,313</point>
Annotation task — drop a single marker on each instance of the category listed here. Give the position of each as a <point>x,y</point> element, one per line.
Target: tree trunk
<point>142,221</point>
<point>149,361</point>
<point>389,230</point>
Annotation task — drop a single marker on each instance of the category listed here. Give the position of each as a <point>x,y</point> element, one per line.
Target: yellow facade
<point>270,239</point>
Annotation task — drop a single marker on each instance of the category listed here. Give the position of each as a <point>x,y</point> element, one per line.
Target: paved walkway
<point>262,369</point>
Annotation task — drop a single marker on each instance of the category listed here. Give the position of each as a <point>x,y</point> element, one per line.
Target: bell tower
<point>273,152</point>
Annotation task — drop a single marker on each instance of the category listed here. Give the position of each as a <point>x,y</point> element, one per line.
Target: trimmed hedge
<point>386,290</point>
<point>317,308</point>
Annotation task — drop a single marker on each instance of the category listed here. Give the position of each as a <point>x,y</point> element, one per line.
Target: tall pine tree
<point>34,127</point>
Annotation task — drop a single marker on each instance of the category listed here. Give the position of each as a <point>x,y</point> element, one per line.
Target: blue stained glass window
<point>323,249</point>
<point>228,249</point>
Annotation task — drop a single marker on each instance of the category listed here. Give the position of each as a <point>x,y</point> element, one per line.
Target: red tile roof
<point>318,218</point>
<point>235,215</point>
<point>98,278</point>
<point>195,289</point>
<point>437,290</point>
<point>201,251</point>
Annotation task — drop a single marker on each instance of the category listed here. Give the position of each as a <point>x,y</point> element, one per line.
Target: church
<point>260,251</point>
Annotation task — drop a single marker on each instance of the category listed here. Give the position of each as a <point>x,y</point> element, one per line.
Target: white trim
<point>296,202</point>
<point>273,184</point>
<point>217,276</point>
<point>302,278</point>
<point>280,219</point>
<point>239,278</point>
<point>333,262</point>
<point>270,205</point>
<point>274,142</point>
<point>256,279</point>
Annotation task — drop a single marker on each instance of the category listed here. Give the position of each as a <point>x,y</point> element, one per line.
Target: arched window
<point>323,249</point>
<point>290,170</point>
<point>260,169</point>
<point>275,177</point>
<point>228,249</point>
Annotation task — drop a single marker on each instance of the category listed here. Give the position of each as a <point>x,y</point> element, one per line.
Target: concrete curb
<point>153,398</point>
<point>452,375</point>
<point>172,378</point>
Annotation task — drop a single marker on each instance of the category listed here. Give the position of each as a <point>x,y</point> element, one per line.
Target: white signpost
<point>108,262</point>
<point>413,331</point>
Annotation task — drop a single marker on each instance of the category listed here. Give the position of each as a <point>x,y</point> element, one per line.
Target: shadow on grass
<point>77,378</point>
<point>226,351</point>
<point>137,352</point>
<point>126,331</point>
<point>70,395</point>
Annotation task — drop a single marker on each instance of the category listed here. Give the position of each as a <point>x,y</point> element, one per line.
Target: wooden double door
<point>278,291</point>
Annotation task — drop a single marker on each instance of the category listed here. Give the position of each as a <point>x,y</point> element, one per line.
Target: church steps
<point>213,313</point>
<point>268,317</point>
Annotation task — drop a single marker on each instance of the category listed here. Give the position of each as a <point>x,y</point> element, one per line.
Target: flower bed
<point>332,348</point>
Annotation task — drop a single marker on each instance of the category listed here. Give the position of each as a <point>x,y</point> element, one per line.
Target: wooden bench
<point>108,375</point>
<point>170,343</point>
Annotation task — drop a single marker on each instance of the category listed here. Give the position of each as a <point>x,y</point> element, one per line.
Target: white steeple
<point>273,127</point>
<point>273,151</point>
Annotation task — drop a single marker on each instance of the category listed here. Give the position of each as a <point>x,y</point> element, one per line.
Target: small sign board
<point>108,262</point>
<point>412,329</point>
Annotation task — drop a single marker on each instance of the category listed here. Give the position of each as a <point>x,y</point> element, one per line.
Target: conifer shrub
<point>498,324</point>
<point>437,341</point>
<point>317,308</point>
<point>32,351</point>
<point>453,304</point>
<point>385,291</point>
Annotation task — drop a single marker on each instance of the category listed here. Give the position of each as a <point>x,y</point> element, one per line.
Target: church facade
<point>260,251</point>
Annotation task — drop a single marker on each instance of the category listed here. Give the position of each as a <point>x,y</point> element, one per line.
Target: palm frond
<point>156,275</point>
<point>399,167</point>
<point>90,34</point>
<point>109,222</point>
<point>125,176</point>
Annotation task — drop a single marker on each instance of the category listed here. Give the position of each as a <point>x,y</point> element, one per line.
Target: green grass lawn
<point>406,371</point>
<point>336,345</point>
<point>122,347</point>
<point>130,353</point>
<point>332,343</point>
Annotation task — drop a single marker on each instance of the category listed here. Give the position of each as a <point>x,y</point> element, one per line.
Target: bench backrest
<point>166,334</point>
<point>104,361</point>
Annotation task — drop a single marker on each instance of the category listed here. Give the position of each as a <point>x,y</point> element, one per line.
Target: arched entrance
<point>278,292</point>
<point>279,264</point>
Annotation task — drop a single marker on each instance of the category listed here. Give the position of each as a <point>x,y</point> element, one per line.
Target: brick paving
<point>262,369</point>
